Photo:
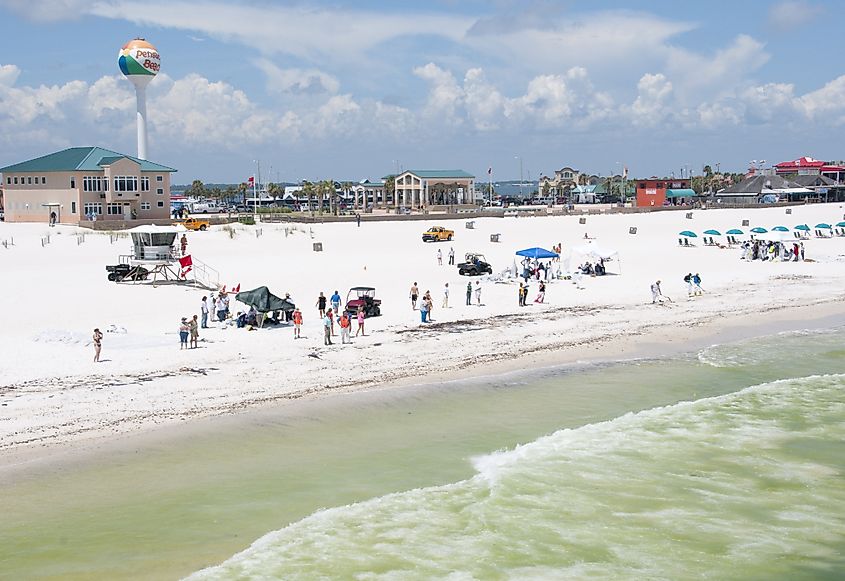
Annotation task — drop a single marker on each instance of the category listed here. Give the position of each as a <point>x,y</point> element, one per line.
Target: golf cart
<point>363,297</point>
<point>121,272</point>
<point>474,264</point>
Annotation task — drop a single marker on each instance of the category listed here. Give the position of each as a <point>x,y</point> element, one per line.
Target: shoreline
<point>652,342</point>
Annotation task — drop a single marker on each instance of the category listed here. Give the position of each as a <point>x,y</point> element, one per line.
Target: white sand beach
<point>52,393</point>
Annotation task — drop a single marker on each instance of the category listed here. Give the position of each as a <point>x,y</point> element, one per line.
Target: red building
<point>807,166</point>
<point>662,191</point>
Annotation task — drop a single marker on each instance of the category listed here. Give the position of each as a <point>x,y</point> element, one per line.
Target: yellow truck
<point>195,224</point>
<point>437,234</point>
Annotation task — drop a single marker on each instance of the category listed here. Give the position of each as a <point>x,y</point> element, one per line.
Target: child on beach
<point>360,322</point>
<point>193,326</point>
<point>98,344</point>
<point>184,330</point>
<point>297,323</point>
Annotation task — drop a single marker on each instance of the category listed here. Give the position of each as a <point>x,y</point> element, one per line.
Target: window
<point>145,184</point>
<point>30,180</point>
<point>16,180</point>
<point>72,183</point>
<point>642,185</point>
<point>92,208</point>
<point>114,209</point>
<point>94,183</point>
<point>44,180</point>
<point>159,178</point>
<point>8,181</point>
<point>126,183</point>
<point>145,205</point>
<point>36,180</point>
<point>160,204</point>
<point>72,206</point>
<point>160,191</point>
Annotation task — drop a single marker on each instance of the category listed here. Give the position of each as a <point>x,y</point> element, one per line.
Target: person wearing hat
<point>184,331</point>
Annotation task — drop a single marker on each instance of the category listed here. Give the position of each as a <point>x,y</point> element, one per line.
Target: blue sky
<point>349,90</point>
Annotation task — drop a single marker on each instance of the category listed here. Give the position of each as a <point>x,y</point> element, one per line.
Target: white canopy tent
<point>593,252</point>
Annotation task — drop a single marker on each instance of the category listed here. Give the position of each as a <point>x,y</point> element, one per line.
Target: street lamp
<point>519,157</point>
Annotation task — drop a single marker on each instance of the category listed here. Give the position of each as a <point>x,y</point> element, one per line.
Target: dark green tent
<point>264,301</point>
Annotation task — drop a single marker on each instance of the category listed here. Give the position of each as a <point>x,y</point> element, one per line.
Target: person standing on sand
<point>541,294</point>
<point>521,297</point>
<point>688,280</point>
<point>345,325</point>
<point>360,322</point>
<point>478,292</point>
<point>297,323</point>
<point>439,257</point>
<point>204,312</point>
<point>446,296</point>
<point>193,326</point>
<point>423,310</point>
<point>656,293</point>
<point>469,293</point>
<point>329,314</point>
<point>327,329</point>
<point>321,305</point>
<point>335,300</point>
<point>98,344</point>
<point>696,280</point>
<point>801,250</point>
<point>183,242</point>
<point>414,293</point>
<point>220,307</point>
<point>451,256</point>
<point>184,331</point>
<point>358,219</point>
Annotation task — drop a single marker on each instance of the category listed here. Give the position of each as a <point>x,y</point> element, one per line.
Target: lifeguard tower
<point>155,249</point>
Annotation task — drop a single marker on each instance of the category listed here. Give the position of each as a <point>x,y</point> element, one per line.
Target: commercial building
<point>421,189</point>
<point>86,183</point>
<point>807,166</point>
<point>658,192</point>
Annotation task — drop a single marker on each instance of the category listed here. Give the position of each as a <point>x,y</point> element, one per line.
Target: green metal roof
<point>80,159</point>
<point>440,173</point>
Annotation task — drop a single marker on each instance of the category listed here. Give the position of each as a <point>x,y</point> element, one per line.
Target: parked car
<point>207,208</point>
<point>474,264</point>
<point>121,272</point>
<point>195,224</point>
<point>437,234</point>
<point>363,297</point>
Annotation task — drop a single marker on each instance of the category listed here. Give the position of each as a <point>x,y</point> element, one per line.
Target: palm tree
<point>347,188</point>
<point>390,189</point>
<point>308,190</point>
<point>242,187</point>
<point>275,190</point>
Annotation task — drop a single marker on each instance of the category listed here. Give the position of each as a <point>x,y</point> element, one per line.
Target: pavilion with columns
<point>427,189</point>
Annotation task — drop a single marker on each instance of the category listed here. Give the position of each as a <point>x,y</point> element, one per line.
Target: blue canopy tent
<point>537,253</point>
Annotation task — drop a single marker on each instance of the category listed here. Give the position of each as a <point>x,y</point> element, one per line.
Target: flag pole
<point>490,177</point>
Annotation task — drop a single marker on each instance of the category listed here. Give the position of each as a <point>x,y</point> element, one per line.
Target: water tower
<point>139,61</point>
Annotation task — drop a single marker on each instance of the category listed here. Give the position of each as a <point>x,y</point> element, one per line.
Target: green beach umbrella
<point>780,229</point>
<point>803,227</point>
<point>735,231</point>
<point>689,234</point>
<point>759,230</point>
<point>823,225</point>
<point>713,232</point>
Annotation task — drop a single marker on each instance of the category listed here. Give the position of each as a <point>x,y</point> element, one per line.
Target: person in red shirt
<point>345,328</point>
<point>297,323</point>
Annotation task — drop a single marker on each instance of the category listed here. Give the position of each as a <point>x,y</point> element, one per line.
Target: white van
<point>207,207</point>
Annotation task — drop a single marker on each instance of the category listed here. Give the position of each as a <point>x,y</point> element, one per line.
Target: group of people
<point>451,255</point>
<point>593,269</point>
<point>523,294</point>
<point>693,282</point>
<point>328,316</point>
<point>773,251</point>
<point>189,328</point>
<point>536,269</point>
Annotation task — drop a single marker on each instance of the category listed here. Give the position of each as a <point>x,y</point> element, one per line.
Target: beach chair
<point>680,241</point>
<point>686,242</point>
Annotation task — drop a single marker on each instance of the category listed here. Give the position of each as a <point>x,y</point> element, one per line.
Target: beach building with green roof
<point>85,183</point>
<point>425,189</point>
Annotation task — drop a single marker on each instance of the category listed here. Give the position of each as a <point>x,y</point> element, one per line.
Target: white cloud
<point>48,10</point>
<point>9,75</point>
<point>651,107</point>
<point>793,13</point>
<point>827,101</point>
<point>297,81</point>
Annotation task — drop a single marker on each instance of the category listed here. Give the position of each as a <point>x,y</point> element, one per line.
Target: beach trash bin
<point>494,237</point>
<point>632,230</point>
<point>582,220</point>
<point>318,246</point>
<point>789,210</point>
<point>746,222</point>
<point>470,225</point>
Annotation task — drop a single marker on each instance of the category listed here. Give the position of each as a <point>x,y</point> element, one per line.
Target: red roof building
<point>807,166</point>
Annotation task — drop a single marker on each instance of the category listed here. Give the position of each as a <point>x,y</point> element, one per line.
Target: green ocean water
<point>726,463</point>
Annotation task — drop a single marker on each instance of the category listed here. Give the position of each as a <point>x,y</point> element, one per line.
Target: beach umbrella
<point>780,229</point>
<point>264,301</point>
<point>803,227</point>
<point>735,231</point>
<point>759,230</point>
<point>841,225</point>
<point>689,234</point>
<point>712,232</point>
<point>823,225</point>
<point>537,253</point>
